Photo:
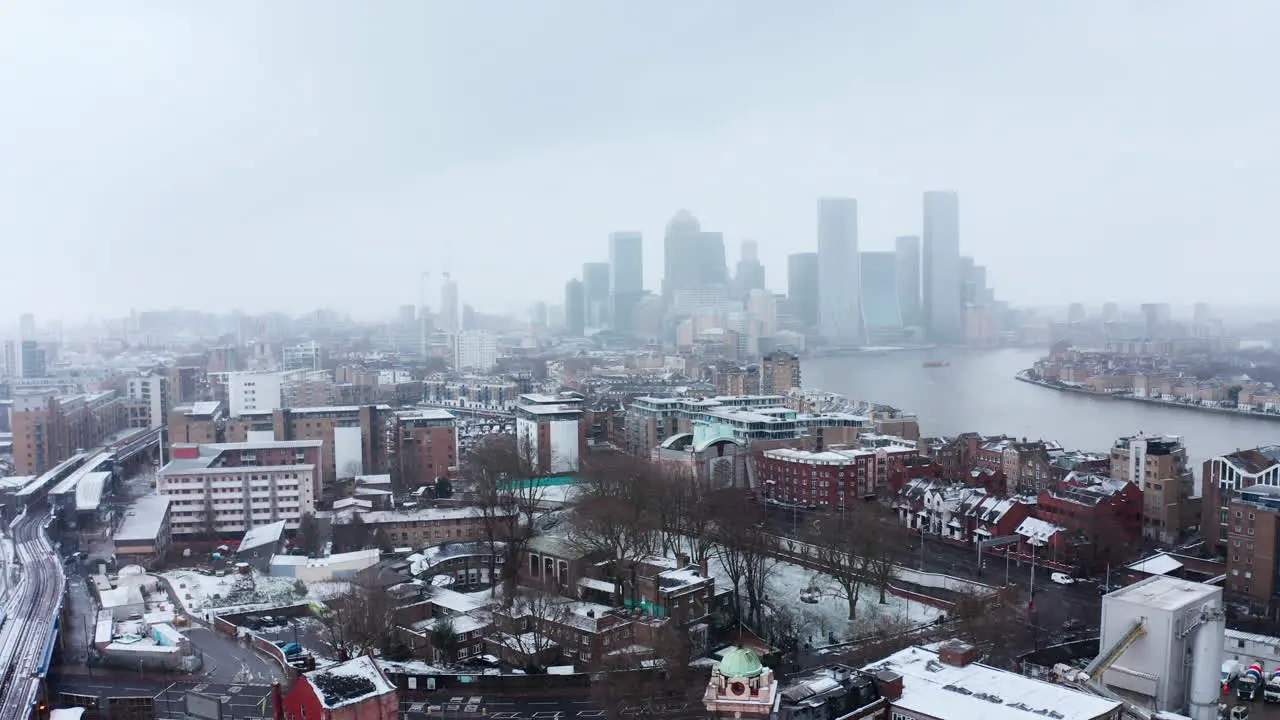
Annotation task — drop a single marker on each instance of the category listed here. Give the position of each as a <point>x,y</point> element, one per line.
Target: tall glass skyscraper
<point>942,274</point>
<point>626,278</point>
<point>802,287</point>
<point>881,312</point>
<point>839,319</point>
<point>907,250</point>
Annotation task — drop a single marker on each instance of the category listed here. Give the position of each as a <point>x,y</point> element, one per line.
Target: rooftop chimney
<point>957,653</point>
<point>890,684</point>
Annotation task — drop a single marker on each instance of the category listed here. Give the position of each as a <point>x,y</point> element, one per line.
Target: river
<point>978,392</point>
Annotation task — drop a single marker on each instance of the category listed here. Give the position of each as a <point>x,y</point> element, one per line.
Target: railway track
<point>31,612</point>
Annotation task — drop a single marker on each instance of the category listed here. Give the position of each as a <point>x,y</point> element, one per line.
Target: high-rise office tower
<point>27,327</point>
<point>881,312</point>
<point>750,273</point>
<point>802,287</point>
<point>449,311</point>
<point>838,275</point>
<point>33,360</point>
<point>692,258</point>
<point>942,275</point>
<point>626,278</point>
<point>1200,313</point>
<point>1076,313</point>
<point>1110,312</point>
<point>575,308</point>
<point>907,253</point>
<point>595,292</point>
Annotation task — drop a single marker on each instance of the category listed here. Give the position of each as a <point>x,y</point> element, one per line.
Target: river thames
<point>978,392</point>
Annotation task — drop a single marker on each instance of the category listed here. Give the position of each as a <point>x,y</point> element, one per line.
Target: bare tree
<point>657,684</point>
<point>444,640</point>
<point>362,619</point>
<point>616,515</point>
<point>833,551</point>
<point>308,534</point>
<point>539,619</point>
<point>746,552</point>
<point>492,467</point>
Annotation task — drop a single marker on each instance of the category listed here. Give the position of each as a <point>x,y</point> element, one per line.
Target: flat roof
<point>980,692</point>
<point>1161,592</point>
<point>143,519</point>
<point>209,452</point>
<point>204,408</point>
<point>426,414</point>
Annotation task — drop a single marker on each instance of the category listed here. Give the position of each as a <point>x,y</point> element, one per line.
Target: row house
<point>944,511</point>
<point>988,516</point>
<point>1026,465</point>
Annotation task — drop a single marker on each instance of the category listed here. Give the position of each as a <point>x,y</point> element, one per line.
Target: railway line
<point>31,611</point>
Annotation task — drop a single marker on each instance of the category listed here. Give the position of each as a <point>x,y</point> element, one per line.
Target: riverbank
<point>1024,376</point>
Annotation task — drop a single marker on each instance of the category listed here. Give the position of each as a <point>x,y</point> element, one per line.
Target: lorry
<point>1271,691</point>
<point>1247,686</point>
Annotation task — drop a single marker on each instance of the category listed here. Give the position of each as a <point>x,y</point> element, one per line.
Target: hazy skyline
<point>261,156</point>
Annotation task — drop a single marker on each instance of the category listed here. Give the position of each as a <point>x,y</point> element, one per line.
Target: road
<point>32,608</point>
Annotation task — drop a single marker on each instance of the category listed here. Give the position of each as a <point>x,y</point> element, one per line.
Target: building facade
<point>428,446</point>
<point>941,271</point>
<point>626,278</point>
<point>838,273</point>
<point>1223,478</point>
<point>49,427</point>
<point>229,488</point>
<point>906,251</point>
<point>150,393</point>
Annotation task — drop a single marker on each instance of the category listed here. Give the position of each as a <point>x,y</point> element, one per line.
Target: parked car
<point>1105,589</point>
<point>1062,578</point>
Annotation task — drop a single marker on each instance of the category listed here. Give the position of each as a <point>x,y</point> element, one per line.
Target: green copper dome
<point>740,663</point>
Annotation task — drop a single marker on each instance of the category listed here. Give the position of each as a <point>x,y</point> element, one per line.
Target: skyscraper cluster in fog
<point>916,289</point>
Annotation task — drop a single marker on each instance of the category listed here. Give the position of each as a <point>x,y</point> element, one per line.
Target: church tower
<point>741,687</point>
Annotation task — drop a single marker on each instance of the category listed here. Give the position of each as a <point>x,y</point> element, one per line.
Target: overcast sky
<point>291,155</point>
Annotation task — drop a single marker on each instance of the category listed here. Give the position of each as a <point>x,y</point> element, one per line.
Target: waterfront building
<point>906,250</point>
<point>881,312</point>
<point>1158,465</point>
<point>839,278</point>
<point>941,270</point>
<point>1253,548</point>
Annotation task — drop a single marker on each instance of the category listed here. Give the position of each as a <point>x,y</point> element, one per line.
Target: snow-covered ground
<point>199,592</point>
<point>830,615</point>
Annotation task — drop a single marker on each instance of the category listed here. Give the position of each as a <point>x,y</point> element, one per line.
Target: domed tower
<point>741,687</point>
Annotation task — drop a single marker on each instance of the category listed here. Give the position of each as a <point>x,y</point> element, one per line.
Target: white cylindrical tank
<point>1206,665</point>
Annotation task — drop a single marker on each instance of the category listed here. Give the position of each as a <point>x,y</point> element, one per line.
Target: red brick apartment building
<point>48,427</point>
<point>428,446</point>
<point>1223,478</point>
<point>1253,528</point>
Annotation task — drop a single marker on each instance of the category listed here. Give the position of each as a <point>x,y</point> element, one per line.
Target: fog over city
<point>294,155</point>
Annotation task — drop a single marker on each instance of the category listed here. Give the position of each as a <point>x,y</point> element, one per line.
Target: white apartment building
<point>475,350</point>
<point>303,356</point>
<point>153,391</point>
<point>267,391</point>
<point>229,488</point>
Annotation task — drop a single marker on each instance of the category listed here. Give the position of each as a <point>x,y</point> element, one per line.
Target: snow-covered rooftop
<point>268,534</point>
<point>1161,592</point>
<point>89,491</point>
<point>143,520</point>
<point>1158,564</point>
<point>933,688</point>
<point>350,682</point>
<point>422,515</point>
<point>1036,531</point>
